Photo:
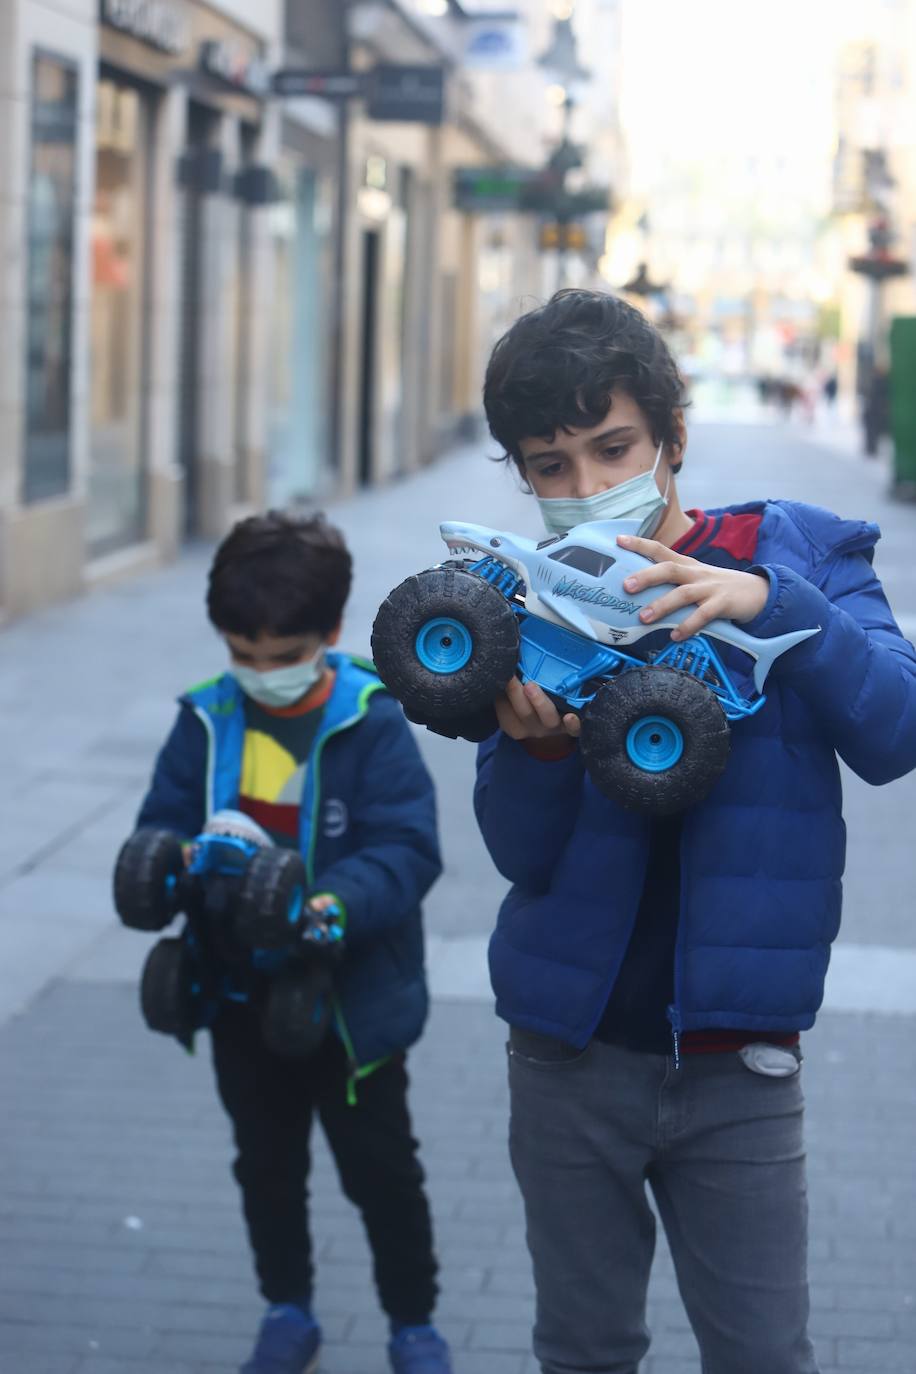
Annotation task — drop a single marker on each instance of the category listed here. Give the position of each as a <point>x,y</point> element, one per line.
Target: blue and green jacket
<point>367,833</point>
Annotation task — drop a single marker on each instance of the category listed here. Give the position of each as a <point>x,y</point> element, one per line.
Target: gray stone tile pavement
<point>121,1244</point>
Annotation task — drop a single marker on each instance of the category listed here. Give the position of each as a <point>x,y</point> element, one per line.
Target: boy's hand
<point>716,592</point>
<point>528,713</point>
<point>322,902</point>
<point>324,930</point>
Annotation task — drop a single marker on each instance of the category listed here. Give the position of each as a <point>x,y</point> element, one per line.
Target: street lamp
<point>561,57</point>
<point>643,285</point>
<point>560,61</point>
<point>550,193</point>
<point>877,265</point>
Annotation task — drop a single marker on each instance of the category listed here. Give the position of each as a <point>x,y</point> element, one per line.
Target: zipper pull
<point>675,1022</point>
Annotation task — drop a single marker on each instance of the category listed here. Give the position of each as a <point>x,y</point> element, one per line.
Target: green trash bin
<point>903,405</point>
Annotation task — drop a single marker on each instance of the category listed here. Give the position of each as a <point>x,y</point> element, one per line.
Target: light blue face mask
<point>282,686</point>
<point>638,498</point>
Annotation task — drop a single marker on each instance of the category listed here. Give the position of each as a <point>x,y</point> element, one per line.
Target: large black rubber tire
<point>297,1014</point>
<point>271,901</point>
<point>166,989</point>
<point>675,696</point>
<point>146,879</point>
<point>475,728</point>
<point>483,612</point>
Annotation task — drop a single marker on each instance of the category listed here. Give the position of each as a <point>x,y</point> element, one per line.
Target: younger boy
<point>307,743</point>
<point>655,972</point>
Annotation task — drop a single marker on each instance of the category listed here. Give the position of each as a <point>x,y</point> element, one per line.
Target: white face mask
<point>282,686</point>
<point>638,498</point>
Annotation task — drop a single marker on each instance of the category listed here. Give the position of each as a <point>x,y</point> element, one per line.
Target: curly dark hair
<point>280,574</point>
<point>557,366</point>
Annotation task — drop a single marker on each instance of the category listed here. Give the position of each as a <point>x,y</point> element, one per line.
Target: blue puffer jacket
<point>368,834</point>
<point>761,857</point>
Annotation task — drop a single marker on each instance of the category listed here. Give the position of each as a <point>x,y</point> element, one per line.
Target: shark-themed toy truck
<point>655,715</point>
<point>247,922</point>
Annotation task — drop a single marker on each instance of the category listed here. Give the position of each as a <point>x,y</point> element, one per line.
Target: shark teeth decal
<point>462,549</point>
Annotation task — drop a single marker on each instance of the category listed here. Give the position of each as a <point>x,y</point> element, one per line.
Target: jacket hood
<point>813,529</point>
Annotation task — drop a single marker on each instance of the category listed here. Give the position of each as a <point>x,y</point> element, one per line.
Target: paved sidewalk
<point>121,1247</point>
<point>122,1250</point>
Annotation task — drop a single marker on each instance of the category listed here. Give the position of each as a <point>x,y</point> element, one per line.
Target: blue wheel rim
<point>294,905</point>
<point>654,744</point>
<point>443,645</point>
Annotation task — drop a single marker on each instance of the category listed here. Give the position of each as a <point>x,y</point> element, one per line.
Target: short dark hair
<point>557,366</point>
<point>280,574</point>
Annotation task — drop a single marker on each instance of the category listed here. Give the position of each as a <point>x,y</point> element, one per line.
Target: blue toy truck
<point>655,713</point>
<point>247,924</point>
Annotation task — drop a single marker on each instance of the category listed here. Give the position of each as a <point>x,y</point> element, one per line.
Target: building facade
<point>214,298</point>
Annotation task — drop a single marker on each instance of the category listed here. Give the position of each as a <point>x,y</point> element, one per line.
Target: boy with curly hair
<point>655,972</point>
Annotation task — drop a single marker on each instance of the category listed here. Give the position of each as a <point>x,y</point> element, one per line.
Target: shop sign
<point>330,85</point>
<point>408,93</point>
<point>159,23</point>
<point>496,43</point>
<point>235,66</point>
<point>494,189</point>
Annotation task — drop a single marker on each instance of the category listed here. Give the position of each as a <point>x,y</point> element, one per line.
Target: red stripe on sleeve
<point>695,535</point>
<point>737,535</point>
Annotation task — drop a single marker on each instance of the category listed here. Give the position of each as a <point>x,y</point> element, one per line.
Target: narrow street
<point>121,1244</point>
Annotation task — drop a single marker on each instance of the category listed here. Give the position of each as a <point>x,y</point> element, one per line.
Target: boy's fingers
<point>519,702</point>
<point>544,709</point>
<point>654,576</point>
<point>668,571</point>
<point>322,901</point>
<point>526,712</point>
<point>701,617</point>
<point>649,548</point>
<point>508,719</point>
<point>686,595</point>
<point>572,725</point>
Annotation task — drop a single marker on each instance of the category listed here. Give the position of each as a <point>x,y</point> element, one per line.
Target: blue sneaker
<point>418,1350</point>
<point>289,1342</point>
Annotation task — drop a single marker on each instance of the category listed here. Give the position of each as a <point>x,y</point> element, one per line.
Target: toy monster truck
<point>655,720</point>
<point>246,911</point>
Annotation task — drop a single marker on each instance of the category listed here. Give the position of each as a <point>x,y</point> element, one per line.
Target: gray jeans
<point>721,1148</point>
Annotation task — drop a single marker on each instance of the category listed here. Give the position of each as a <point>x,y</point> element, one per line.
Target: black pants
<point>271,1102</point>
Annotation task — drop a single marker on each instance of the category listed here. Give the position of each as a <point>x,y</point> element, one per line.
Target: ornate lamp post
<point>878,265</point>
<point>550,194</point>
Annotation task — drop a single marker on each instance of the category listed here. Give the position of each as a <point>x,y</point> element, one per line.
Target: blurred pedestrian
<point>655,971</point>
<point>304,741</point>
<point>876,408</point>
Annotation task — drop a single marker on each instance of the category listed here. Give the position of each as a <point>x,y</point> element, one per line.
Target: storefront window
<point>49,293</point>
<point>116,478</point>
<point>298,435</point>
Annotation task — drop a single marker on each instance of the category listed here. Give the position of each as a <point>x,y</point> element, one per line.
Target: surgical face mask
<point>281,686</point>
<point>638,498</point>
